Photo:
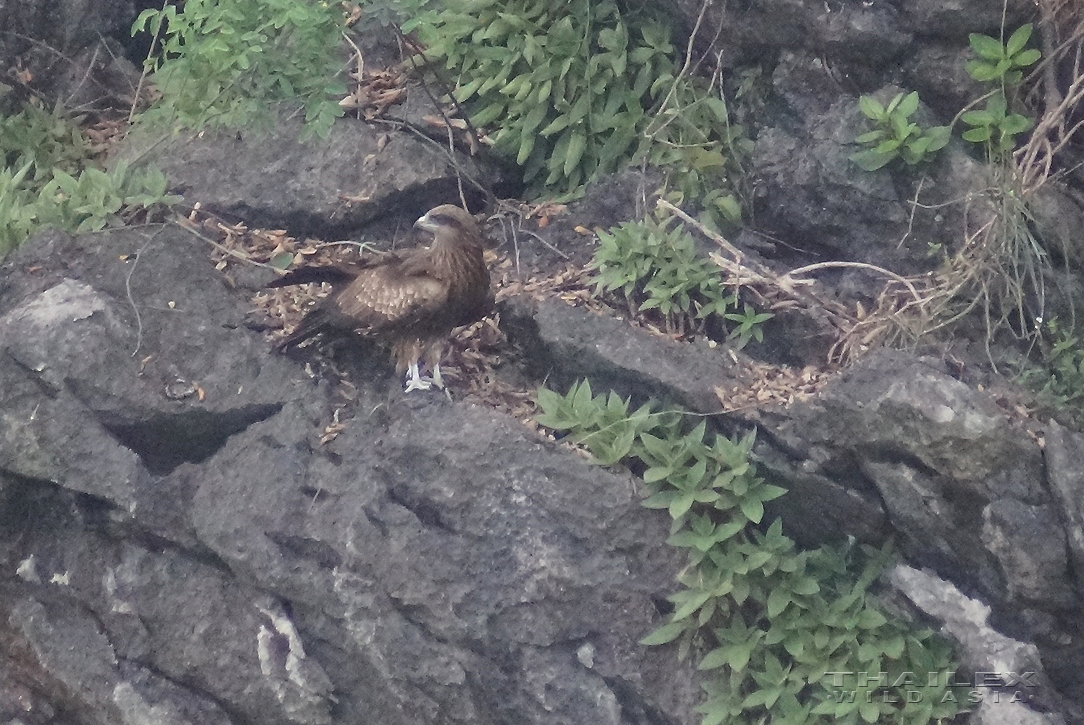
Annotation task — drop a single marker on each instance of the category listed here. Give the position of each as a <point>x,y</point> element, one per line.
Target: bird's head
<point>449,223</point>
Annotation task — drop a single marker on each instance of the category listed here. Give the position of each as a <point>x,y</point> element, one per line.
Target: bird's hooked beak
<point>427,224</point>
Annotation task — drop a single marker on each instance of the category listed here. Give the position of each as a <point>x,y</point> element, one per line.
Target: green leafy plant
<point>46,140</point>
<point>654,266</point>
<point>47,179</point>
<point>895,136</point>
<point>690,136</point>
<point>994,126</point>
<point>775,630</point>
<point>749,325</point>
<point>568,82</point>
<point>999,62</point>
<point>17,214</point>
<point>1059,380</point>
<point>91,200</point>
<point>222,62</point>
<point>577,89</point>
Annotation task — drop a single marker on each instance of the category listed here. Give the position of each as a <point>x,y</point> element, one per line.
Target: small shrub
<point>579,88</point>
<point>771,627</point>
<point>1059,381</point>
<point>46,180</point>
<point>223,62</point>
<point>994,126</point>
<point>1002,63</point>
<point>654,266</point>
<point>567,83</point>
<point>999,64</point>
<point>894,135</point>
<point>94,198</point>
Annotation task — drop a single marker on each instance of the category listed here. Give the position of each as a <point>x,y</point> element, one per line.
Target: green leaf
<point>871,160</point>
<point>489,114</point>
<point>805,586</point>
<point>716,658</point>
<point>282,260</point>
<point>909,104</point>
<point>525,147</point>
<point>753,509</point>
<point>693,600</point>
<point>939,137</point>
<point>871,619</point>
<point>986,47</point>
<point>893,647</point>
<point>768,492</point>
<point>777,602</point>
<point>871,137</point>
<point>1028,57</point>
<point>979,118</point>
<point>576,145</point>
<point>871,107</point>
<point>982,72</point>
<point>657,473</point>
<point>1018,39</point>
<point>681,505</point>
<point>977,135</point>
<point>666,633</point>
<point>581,398</point>
<point>1015,123</point>
<point>558,124</point>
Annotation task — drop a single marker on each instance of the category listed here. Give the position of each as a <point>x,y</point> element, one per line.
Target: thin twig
<point>128,291</point>
<point>146,64</point>
<point>857,265</point>
<point>191,228</point>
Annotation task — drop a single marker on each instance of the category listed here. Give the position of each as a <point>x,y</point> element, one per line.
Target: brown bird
<point>408,300</point>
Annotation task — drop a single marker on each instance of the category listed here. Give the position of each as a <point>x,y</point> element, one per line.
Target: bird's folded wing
<point>384,298</point>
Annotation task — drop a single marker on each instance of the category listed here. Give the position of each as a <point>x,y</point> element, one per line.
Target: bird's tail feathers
<point>310,326</point>
<point>303,275</point>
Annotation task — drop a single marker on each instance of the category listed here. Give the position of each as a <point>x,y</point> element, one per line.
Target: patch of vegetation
<point>654,265</point>
<point>1059,382</point>
<point>1000,64</point>
<point>223,62</point>
<point>771,626</point>
<point>580,88</point>
<point>999,270</point>
<point>894,135</point>
<point>46,179</point>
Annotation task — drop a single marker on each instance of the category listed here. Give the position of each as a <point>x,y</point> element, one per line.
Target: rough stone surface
<point>567,343</point>
<point>67,50</point>
<point>1064,452</point>
<point>989,659</point>
<point>931,449</point>
<point>1029,545</point>
<point>176,546</point>
<point>332,187</point>
<point>809,189</point>
<point>434,563</point>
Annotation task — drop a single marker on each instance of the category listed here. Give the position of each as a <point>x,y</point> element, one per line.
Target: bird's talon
<point>419,384</point>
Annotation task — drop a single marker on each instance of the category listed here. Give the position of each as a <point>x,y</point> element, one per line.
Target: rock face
<point>68,50</point>
<point>177,545</point>
<point>431,564</point>
<point>331,189</point>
